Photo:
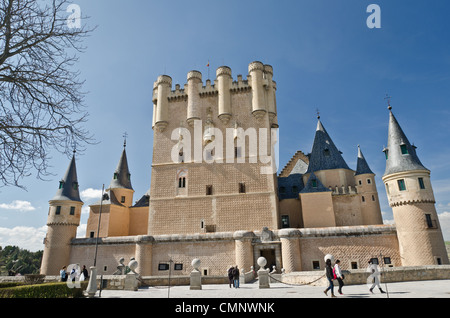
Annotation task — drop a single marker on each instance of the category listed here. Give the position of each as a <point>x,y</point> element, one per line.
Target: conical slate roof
<point>324,154</point>
<point>401,155</point>
<point>361,166</point>
<point>121,178</point>
<point>68,186</point>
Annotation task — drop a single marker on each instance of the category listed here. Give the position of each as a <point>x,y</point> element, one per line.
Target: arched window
<point>182,178</point>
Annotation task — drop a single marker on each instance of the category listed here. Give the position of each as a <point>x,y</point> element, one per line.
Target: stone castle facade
<point>215,194</point>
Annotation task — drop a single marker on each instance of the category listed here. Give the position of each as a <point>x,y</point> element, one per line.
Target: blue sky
<point>324,57</point>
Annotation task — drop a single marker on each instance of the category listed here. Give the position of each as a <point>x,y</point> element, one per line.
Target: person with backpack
<point>231,276</point>
<point>236,277</point>
<point>329,275</point>
<point>337,274</point>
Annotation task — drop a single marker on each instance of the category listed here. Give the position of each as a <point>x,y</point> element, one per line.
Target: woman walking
<point>339,276</point>
<point>329,274</point>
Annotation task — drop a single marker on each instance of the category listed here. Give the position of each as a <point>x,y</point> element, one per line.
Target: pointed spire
<point>361,166</point>
<point>122,176</point>
<point>324,154</point>
<point>400,154</point>
<point>68,186</point>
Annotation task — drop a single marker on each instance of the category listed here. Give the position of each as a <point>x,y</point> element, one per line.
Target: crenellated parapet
<point>259,84</point>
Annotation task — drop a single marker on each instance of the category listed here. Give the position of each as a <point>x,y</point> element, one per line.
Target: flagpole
<point>208,68</point>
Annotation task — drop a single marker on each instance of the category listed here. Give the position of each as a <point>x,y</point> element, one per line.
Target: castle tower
<point>216,181</point>
<point>63,219</point>
<point>411,197</point>
<point>367,190</point>
<point>121,182</point>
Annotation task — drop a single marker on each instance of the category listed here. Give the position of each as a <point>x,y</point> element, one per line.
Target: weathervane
<point>74,145</point>
<point>388,98</point>
<point>125,135</point>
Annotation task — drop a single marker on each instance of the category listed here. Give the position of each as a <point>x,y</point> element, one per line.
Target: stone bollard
<point>263,273</point>
<point>131,279</point>
<point>196,277</point>
<point>92,286</point>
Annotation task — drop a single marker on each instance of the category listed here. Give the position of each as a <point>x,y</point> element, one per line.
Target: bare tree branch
<point>41,98</point>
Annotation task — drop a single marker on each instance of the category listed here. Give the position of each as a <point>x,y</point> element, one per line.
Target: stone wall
<point>361,276</point>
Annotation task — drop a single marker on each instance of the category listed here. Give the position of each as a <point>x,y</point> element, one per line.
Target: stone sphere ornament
<point>196,263</point>
<point>330,257</point>
<point>133,265</point>
<point>262,262</point>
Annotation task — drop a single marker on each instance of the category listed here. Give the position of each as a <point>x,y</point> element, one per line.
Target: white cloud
<point>444,220</point>
<point>81,231</point>
<point>90,194</point>
<point>18,205</point>
<point>29,238</point>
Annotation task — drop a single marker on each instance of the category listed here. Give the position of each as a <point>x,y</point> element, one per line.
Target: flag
<point>207,65</point>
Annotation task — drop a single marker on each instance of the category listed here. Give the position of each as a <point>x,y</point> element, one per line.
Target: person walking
<point>329,275</point>
<point>375,274</point>
<point>339,276</point>
<point>84,274</point>
<point>236,277</point>
<point>230,276</point>
<point>63,274</point>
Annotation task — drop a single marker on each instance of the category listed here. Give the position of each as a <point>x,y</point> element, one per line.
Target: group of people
<point>74,273</point>
<point>233,276</point>
<point>334,273</point>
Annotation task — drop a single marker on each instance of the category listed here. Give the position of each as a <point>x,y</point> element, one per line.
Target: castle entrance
<point>271,252</point>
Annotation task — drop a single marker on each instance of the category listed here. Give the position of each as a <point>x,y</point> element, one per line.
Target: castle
<point>215,194</point>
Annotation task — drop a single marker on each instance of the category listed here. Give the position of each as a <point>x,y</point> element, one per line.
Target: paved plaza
<point>414,289</point>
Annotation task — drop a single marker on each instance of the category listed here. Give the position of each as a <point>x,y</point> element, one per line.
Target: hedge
<point>49,290</point>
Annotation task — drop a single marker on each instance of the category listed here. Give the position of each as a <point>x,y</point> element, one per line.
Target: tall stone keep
<point>63,219</point>
<point>411,197</point>
<point>206,175</point>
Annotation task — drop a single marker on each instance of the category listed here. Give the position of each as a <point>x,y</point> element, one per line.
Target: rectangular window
<point>387,188</point>
<point>387,260</point>
<point>91,235</point>
<point>401,185</point>
<point>163,267</point>
<point>122,199</point>
<point>363,199</point>
<point>72,210</point>
<point>429,221</point>
<point>209,190</point>
<point>241,187</point>
<point>316,264</point>
<point>58,210</point>
<point>374,260</point>
<point>182,182</point>
<point>314,183</point>
<point>369,181</point>
<point>354,265</point>
<point>404,149</point>
<point>237,152</point>
<point>178,267</point>
<point>285,221</point>
<point>421,183</point>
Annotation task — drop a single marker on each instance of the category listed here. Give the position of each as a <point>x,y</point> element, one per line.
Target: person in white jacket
<point>339,276</point>
<point>374,277</point>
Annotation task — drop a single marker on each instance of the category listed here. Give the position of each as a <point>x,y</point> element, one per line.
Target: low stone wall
<point>361,276</point>
<point>312,278</point>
